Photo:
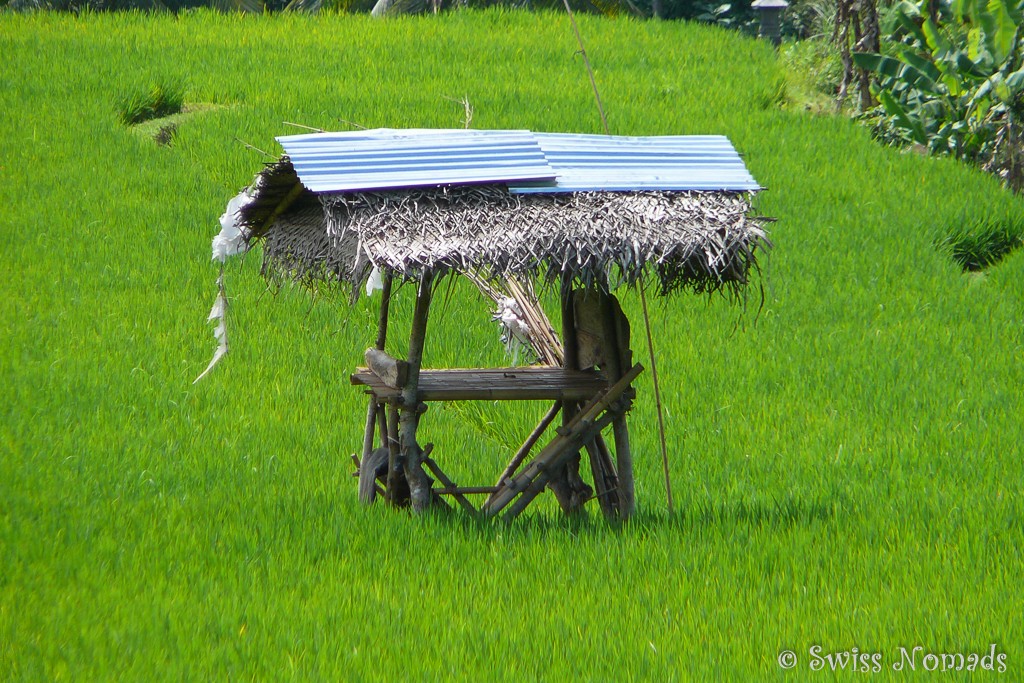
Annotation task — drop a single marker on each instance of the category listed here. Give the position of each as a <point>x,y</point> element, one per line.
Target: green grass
<point>977,242</point>
<point>162,129</point>
<point>846,464</point>
<point>159,101</point>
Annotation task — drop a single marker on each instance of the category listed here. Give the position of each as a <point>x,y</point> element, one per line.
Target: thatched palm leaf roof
<point>702,240</point>
<point>697,239</point>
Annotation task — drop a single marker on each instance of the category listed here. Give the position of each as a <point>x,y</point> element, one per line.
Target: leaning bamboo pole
<point>594,417</point>
<point>524,450</point>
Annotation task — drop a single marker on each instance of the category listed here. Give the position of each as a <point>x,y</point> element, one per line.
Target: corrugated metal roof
<point>527,162</point>
<point>585,163</point>
<point>386,158</point>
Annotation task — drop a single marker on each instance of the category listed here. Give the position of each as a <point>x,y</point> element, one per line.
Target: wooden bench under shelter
<point>506,208</point>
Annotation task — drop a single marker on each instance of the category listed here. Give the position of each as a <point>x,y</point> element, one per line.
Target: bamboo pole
<point>583,427</point>
<point>452,490</point>
<point>657,399</point>
<point>524,450</point>
<point>574,440</point>
<point>382,335</point>
<point>382,426</point>
<point>624,460</point>
<point>450,486</point>
<point>605,482</point>
<point>412,455</point>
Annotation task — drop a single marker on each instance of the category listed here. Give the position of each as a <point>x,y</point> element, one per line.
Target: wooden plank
<point>590,335</point>
<point>493,384</point>
<point>616,351</point>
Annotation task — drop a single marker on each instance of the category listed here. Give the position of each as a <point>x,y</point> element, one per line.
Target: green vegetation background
<point>847,464</point>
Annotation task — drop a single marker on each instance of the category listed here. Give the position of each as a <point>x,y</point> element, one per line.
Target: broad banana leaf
<point>897,111</point>
<point>898,70</point>
<point>937,42</point>
<point>1003,30</point>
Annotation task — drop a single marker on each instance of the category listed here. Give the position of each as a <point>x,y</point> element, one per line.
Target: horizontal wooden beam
<point>493,384</point>
<point>459,490</point>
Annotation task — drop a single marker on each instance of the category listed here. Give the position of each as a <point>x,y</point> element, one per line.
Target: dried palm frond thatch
<point>699,240</point>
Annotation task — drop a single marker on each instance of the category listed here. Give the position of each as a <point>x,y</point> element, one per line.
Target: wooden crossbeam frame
<point>587,401</point>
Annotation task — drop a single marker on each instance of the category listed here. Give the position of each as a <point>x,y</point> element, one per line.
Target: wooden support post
<point>382,424</point>
<point>624,459</point>
<point>371,424</point>
<point>601,467</point>
<point>605,482</point>
<point>397,487</point>
<point>412,455</point>
<point>382,335</point>
<point>614,354</point>
<point>565,482</point>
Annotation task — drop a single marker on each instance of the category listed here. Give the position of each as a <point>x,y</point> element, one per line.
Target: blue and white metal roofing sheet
<point>586,163</point>
<point>386,159</point>
<point>527,162</point>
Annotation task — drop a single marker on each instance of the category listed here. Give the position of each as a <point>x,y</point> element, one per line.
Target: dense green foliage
<point>846,458</point>
<point>956,86</point>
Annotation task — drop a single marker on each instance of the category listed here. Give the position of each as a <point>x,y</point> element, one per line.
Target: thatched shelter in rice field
<point>584,213</point>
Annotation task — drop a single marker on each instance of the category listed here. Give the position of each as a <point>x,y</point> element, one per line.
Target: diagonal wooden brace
<point>584,427</point>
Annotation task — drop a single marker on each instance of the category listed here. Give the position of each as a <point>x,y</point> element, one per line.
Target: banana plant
<point>956,86</point>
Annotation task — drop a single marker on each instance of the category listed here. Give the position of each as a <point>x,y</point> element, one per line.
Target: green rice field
<point>845,454</point>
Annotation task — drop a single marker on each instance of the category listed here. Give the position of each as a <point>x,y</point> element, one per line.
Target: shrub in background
<point>955,83</point>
